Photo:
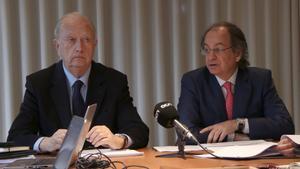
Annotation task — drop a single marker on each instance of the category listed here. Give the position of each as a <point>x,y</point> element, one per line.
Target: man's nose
<point>79,45</point>
<point>210,55</point>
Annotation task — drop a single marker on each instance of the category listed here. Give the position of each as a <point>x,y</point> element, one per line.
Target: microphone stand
<point>180,143</point>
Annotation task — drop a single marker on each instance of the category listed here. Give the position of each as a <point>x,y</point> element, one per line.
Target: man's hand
<point>53,143</point>
<point>241,137</point>
<point>102,136</point>
<point>219,131</point>
<point>286,147</point>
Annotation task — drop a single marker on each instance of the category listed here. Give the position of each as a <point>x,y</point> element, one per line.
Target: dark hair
<point>237,39</point>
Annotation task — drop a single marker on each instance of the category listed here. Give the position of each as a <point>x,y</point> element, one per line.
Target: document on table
<point>245,151</point>
<point>10,160</point>
<point>210,146</point>
<point>263,149</point>
<point>113,153</point>
<point>294,138</point>
<point>235,149</point>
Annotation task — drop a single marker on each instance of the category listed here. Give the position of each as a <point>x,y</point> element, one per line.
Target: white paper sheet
<point>10,160</point>
<point>251,151</point>
<point>244,151</point>
<point>294,138</point>
<point>113,153</point>
<point>211,146</point>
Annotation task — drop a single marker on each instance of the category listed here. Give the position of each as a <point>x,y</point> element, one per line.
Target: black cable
<point>139,166</point>
<point>100,161</point>
<point>130,166</point>
<point>113,165</point>
<point>207,150</point>
<point>120,162</point>
<point>92,161</point>
<point>182,137</point>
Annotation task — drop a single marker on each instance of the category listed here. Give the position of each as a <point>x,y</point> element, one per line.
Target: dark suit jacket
<point>202,103</point>
<point>46,105</point>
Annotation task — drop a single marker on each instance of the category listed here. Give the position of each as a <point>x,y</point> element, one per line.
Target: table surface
<point>150,160</point>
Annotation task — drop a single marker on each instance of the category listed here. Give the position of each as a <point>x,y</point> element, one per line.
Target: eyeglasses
<point>216,51</point>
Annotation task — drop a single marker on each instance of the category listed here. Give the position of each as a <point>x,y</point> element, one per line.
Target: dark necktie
<point>77,100</point>
<point>229,99</point>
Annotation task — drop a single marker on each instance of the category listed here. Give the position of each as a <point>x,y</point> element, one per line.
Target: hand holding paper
<point>289,145</point>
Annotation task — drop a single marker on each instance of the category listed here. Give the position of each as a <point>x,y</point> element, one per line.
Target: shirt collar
<point>232,79</point>
<point>72,79</point>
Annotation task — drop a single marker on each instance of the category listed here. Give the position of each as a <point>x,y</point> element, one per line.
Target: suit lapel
<point>217,99</point>
<point>96,87</point>
<point>242,94</point>
<point>60,96</point>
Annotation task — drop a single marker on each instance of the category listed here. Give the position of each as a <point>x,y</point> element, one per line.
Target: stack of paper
<point>235,150</point>
<point>12,149</point>
<point>9,150</point>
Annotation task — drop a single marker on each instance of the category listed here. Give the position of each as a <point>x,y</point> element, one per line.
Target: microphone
<point>166,115</point>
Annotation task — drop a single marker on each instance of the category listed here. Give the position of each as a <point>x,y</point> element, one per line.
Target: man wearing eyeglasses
<point>226,100</point>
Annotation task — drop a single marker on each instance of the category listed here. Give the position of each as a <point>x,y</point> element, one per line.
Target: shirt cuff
<point>36,146</point>
<point>246,129</point>
<point>129,140</point>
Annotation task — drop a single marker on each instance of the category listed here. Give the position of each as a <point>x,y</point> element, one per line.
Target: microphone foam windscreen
<point>165,113</point>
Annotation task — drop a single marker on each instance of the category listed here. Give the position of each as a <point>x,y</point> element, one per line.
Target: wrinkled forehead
<point>76,24</point>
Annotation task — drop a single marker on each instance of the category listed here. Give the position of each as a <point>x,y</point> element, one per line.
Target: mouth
<point>212,65</point>
<point>78,58</point>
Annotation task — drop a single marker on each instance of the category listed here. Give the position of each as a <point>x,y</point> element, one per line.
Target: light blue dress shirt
<point>71,80</point>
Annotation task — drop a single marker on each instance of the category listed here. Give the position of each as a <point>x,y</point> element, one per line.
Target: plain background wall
<point>153,41</point>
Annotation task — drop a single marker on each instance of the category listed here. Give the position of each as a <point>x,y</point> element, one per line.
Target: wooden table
<point>149,160</point>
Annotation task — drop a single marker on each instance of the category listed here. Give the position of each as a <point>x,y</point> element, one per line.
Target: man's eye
<point>70,40</point>
<point>216,50</point>
<point>206,50</point>
<point>86,39</point>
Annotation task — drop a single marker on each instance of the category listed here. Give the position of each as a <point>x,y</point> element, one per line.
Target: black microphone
<point>166,115</point>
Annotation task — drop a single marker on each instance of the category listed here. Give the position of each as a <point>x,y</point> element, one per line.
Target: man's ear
<point>96,42</point>
<point>55,43</point>
<point>238,55</point>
